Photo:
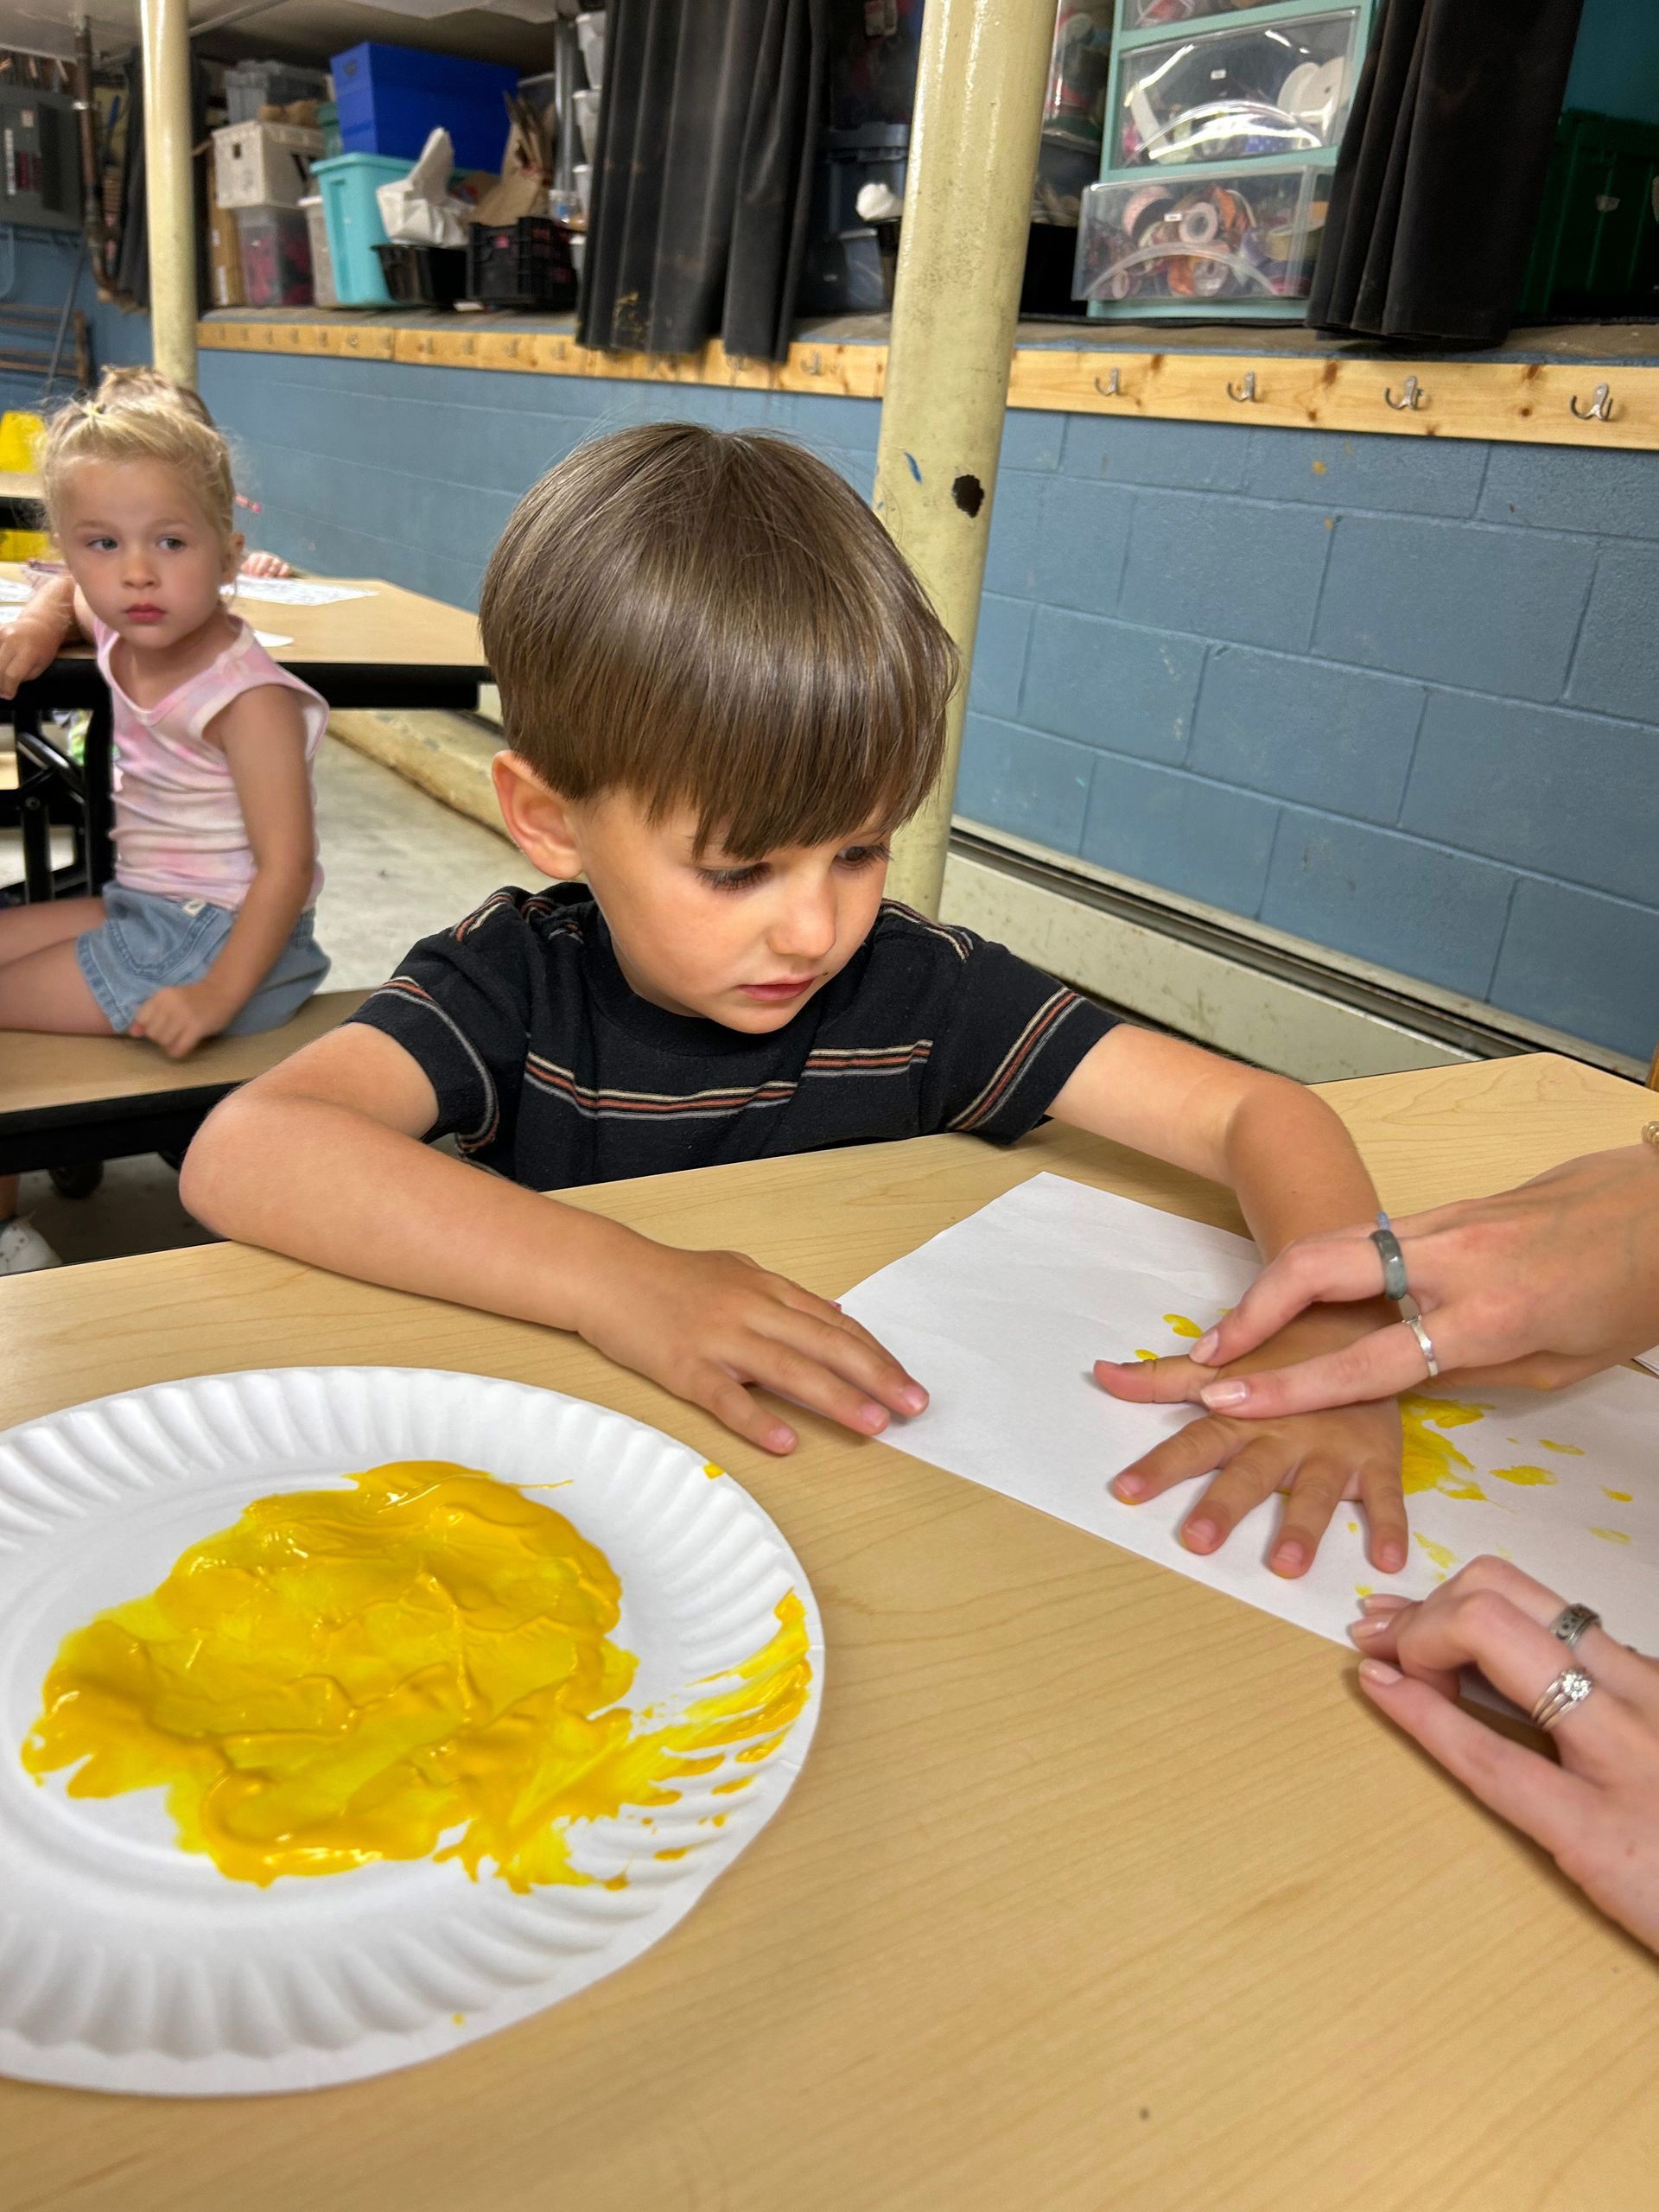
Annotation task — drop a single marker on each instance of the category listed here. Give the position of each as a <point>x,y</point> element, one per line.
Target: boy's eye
<point>733,879</point>
<point>856,857</point>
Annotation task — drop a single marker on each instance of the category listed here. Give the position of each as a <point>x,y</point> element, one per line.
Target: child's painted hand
<point>1317,1458</point>
<point>715,1327</point>
<point>178,1018</point>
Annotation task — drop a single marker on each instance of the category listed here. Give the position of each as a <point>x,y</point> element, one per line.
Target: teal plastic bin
<point>352,215</point>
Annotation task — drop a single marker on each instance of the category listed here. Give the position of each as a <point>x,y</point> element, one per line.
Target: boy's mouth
<point>780,991</point>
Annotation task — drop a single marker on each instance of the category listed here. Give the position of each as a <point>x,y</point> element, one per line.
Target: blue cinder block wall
<point>37,268</point>
<point>1396,696</point>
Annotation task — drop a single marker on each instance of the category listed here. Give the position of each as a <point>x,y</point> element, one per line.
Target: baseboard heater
<point>1274,1001</point>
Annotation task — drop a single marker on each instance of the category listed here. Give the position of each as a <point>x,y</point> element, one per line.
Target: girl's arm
<point>262,734</point>
<point>30,644</point>
<point>1295,1172</point>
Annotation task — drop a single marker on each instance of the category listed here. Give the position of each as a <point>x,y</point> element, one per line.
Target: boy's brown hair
<point>714,620</point>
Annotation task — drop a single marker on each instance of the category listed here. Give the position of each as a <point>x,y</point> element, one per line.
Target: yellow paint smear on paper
<point>1181,1326</point>
<point>1611,1535</point>
<point>1430,1460</point>
<point>1527,1478</point>
<point>1572,1451</point>
<point>347,1675</point>
<point>1442,1554</point>
<point>1619,1496</point>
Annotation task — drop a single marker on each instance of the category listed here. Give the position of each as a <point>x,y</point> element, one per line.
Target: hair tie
<point>92,407</point>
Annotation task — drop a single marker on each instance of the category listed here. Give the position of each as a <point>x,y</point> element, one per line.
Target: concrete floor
<point>397,866</point>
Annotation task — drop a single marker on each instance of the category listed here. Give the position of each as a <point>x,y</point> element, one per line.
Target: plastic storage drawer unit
<point>322,267</point>
<point>391,99</point>
<point>264,164</point>
<point>1236,94</point>
<point>276,256</point>
<point>351,215</point>
<point>250,85</point>
<point>1252,235</point>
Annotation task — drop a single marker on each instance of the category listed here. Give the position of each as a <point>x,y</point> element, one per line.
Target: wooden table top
<point>393,628</point>
<point>1100,1892</point>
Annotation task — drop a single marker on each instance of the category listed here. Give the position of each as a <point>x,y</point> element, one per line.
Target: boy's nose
<point>806,928</point>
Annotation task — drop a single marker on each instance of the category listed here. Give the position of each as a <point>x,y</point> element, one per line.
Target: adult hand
<point>1539,1286</point>
<point>714,1327</point>
<point>1597,1814</point>
<point>178,1017</point>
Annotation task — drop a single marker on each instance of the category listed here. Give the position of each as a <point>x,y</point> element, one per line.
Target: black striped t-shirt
<point>549,1068</point>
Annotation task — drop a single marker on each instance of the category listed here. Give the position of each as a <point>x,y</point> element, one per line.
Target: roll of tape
<point>1199,223</point>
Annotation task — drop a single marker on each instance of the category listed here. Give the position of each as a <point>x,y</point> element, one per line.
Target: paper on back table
<point>1002,1317</point>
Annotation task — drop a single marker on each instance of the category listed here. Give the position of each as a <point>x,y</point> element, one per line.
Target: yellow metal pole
<point>169,188</point>
<point>973,156</point>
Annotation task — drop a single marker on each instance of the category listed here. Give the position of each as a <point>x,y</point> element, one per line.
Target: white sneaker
<point>22,1248</point>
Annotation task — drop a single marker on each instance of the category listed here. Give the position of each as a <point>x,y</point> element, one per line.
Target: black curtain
<point>1439,183</point>
<point>703,174</point>
<point>130,276</point>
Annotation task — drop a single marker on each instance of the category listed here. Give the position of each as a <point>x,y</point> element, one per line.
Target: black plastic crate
<point>424,276</point>
<point>522,264</point>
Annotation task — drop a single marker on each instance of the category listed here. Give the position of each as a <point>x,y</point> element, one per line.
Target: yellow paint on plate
<point>349,1675</point>
<point>1572,1451</point>
<point>1429,1459</point>
<point>1527,1478</point>
<point>1442,1554</point>
<point>1619,1496</point>
<point>713,1472</point>
<point>1611,1535</point>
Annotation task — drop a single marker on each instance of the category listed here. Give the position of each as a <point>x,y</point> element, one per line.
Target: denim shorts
<point>146,942</point>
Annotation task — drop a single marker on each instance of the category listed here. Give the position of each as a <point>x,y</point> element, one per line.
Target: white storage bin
<point>590,36</point>
<point>264,164</point>
<point>322,268</point>
<point>587,123</point>
<point>1251,235</point>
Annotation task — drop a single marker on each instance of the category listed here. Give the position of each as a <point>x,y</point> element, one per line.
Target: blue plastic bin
<point>392,99</point>
<point>352,215</point>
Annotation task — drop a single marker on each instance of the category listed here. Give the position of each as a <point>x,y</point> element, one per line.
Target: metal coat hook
<point>1412,396</point>
<point>1600,409</point>
<point>815,366</point>
<point>1110,389</point>
<point>1248,391</point>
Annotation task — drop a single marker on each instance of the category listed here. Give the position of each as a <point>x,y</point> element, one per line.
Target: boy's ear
<point>539,820</point>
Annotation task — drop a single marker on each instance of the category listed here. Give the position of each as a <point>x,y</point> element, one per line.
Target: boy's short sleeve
<point>1011,1041</point>
<point>459,1004</point>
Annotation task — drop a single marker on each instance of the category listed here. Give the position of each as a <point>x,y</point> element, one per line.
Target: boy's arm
<point>322,1158</point>
<point>263,735</point>
<point>1294,1170</point>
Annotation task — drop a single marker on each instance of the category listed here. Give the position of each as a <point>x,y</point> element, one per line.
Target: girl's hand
<point>714,1327</point>
<point>1539,1286</point>
<point>1318,1459</point>
<point>265,564</point>
<point>28,648</point>
<point>1597,1814</point>
<point>179,1016</point>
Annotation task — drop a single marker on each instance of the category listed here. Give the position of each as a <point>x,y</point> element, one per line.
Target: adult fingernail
<point>1384,1602</point>
<point>914,1397</point>
<point>1378,1672</point>
<point>1289,1559</point>
<point>1225,1393</point>
<point>1128,1487</point>
<point>1204,1351</point>
<point>1368,1628</point>
<point>1201,1535</point>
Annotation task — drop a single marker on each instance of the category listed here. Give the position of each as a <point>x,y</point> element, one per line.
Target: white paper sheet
<point>1003,1317</point>
<point>293,591</point>
<point>11,589</point>
<point>270,640</point>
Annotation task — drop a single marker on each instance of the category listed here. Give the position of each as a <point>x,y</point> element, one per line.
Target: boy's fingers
<point>1170,1381</point>
<point>724,1396</point>
<point>1341,1267</point>
<point>799,1375</point>
<point>1256,1471</point>
<point>1314,1496</point>
<point>1543,1799</point>
<point>1388,1531</point>
<point>851,1353</point>
<point>1387,1361</point>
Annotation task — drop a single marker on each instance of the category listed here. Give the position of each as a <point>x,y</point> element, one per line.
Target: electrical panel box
<point>40,159</point>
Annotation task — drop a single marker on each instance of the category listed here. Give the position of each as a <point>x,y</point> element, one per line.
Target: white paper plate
<point>129,1964</point>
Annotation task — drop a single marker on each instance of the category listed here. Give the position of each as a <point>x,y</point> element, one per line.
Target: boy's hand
<point>28,648</point>
<point>178,1017</point>
<point>714,1327</point>
<point>1318,1459</point>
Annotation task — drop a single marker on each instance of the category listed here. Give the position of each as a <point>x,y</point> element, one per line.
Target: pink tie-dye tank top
<point>179,830</point>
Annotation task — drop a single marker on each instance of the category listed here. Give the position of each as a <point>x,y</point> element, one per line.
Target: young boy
<point>722,690</point>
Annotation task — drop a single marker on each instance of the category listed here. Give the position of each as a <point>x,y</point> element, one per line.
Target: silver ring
<point>1570,1688</point>
<point>1425,1343</point>
<point>1571,1621</point>
<point>1392,1259</point>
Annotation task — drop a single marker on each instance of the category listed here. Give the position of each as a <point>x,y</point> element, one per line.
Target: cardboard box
<point>225,259</point>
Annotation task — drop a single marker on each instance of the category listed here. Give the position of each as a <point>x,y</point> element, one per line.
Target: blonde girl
<point>207,927</point>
